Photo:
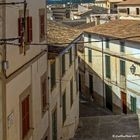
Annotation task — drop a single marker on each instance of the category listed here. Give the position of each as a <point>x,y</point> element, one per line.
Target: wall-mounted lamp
<point>133,69</point>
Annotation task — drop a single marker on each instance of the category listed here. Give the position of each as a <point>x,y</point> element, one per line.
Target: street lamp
<point>133,69</point>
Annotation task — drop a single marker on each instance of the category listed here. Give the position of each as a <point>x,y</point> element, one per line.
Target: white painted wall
<point>132,51</point>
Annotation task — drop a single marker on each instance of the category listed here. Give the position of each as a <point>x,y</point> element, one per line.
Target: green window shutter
<point>122,67</point>
<point>63,64</point>
<point>64,107</point>
<point>70,56</point>
<point>108,68</point>
<point>89,55</point>
<point>107,43</point>
<point>53,75</point>
<point>71,91</point>
<point>89,38</point>
<point>122,48</point>
<point>133,104</point>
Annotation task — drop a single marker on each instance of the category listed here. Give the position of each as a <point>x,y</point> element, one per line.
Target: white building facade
<point>107,63</point>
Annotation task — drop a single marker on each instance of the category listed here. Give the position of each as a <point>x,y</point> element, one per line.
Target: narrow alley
<point>97,123</point>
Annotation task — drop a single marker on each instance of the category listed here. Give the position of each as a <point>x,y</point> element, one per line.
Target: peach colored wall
<point>30,77</point>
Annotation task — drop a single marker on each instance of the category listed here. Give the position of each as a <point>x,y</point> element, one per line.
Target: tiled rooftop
<point>59,33</point>
<point>130,2</point>
<point>123,29</point>
<point>59,37</point>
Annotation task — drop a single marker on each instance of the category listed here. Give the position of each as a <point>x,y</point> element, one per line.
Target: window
<point>133,104</point>
<point>107,43</point>
<point>63,64</point>
<point>137,11</point>
<point>108,68</point>
<point>70,56</point>
<point>76,50</point>
<point>71,91</point>
<point>122,46</point>
<point>53,75</point>
<point>42,24</point>
<point>25,116</point>
<point>77,81</point>
<point>89,55</point>
<point>89,38</point>
<point>122,67</point>
<point>128,11</point>
<point>64,107</point>
<point>28,29</point>
<point>44,93</point>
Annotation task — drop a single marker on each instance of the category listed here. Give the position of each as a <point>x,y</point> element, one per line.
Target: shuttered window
<point>25,117</point>
<point>122,48</point>
<point>89,55</point>
<point>44,94</point>
<point>70,56</point>
<point>42,24</point>
<point>133,104</point>
<point>107,44</point>
<point>89,38</point>
<point>137,11</point>
<point>64,107</point>
<point>71,91</point>
<point>63,64</point>
<point>28,30</point>
<point>122,67</point>
<point>53,75</point>
<point>20,30</point>
<point>76,50</point>
<point>107,66</point>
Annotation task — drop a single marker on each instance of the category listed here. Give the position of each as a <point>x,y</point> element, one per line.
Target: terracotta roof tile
<point>123,29</point>
<point>59,36</point>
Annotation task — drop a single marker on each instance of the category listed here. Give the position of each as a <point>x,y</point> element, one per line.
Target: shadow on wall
<point>106,98</point>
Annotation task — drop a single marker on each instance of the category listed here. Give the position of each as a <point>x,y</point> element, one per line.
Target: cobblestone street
<point>97,123</point>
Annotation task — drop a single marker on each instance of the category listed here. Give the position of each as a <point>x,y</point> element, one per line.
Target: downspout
<point>4,73</point>
<point>103,73</point>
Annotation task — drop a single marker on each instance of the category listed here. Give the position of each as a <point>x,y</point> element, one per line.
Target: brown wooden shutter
<point>20,30</point>
<point>42,19</point>
<point>29,30</point>
<point>25,117</point>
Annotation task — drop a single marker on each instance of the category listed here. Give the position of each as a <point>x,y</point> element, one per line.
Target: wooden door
<point>90,84</point>
<point>124,102</point>
<point>80,83</point>
<point>108,91</point>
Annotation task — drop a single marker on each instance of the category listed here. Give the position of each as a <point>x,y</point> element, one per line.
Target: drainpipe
<point>103,73</point>
<point>60,85</point>
<point>4,73</point>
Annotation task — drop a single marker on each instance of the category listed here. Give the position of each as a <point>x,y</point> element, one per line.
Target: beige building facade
<point>108,64</point>
<point>129,10</point>
<point>63,81</point>
<point>23,79</point>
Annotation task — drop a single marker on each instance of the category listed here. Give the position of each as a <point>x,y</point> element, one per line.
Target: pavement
<point>97,123</point>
